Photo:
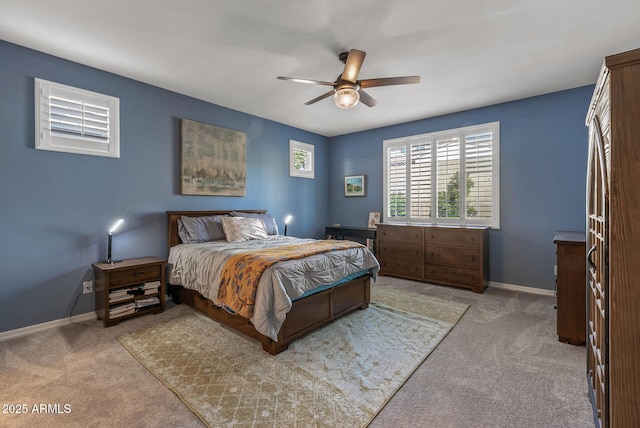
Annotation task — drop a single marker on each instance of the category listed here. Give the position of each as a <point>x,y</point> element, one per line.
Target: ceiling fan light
<point>346,98</point>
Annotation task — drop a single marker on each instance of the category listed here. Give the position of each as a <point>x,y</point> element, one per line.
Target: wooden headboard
<point>173,216</point>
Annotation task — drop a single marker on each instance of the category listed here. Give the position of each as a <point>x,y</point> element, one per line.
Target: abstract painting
<point>213,160</point>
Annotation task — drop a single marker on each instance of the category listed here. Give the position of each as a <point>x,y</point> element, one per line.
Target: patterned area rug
<point>339,376</point>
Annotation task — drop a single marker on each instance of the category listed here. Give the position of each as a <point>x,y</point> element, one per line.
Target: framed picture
<point>354,185</point>
<point>213,160</point>
<point>374,219</point>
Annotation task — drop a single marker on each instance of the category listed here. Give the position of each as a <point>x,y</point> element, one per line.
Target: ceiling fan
<point>347,89</point>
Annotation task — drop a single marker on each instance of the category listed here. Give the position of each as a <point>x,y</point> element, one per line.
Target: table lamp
<point>111,231</point>
<point>287,220</point>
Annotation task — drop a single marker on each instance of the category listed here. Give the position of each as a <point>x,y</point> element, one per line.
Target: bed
<point>287,307</point>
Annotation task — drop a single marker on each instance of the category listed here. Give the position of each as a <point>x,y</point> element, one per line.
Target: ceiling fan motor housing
<point>344,84</point>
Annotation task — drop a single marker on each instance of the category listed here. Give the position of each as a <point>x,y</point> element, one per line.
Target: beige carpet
<point>339,376</point>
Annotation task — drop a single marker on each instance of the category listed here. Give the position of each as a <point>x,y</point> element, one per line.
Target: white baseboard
<point>11,334</point>
<point>521,288</point>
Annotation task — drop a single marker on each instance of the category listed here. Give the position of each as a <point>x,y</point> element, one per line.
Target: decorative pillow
<point>238,229</point>
<point>269,222</point>
<point>203,229</point>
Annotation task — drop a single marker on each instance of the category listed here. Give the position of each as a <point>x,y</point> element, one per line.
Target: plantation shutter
<point>397,182</point>
<point>448,177</point>
<point>75,120</point>
<point>72,117</point>
<point>479,170</point>
<point>421,180</point>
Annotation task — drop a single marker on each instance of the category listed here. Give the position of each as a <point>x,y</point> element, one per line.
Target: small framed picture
<point>354,185</point>
<point>374,219</point>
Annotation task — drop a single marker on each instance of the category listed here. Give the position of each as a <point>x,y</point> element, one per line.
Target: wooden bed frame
<point>307,314</point>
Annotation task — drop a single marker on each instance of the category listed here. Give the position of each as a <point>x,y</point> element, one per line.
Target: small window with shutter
<point>75,120</point>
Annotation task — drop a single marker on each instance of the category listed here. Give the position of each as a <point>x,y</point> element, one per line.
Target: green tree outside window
<point>449,200</point>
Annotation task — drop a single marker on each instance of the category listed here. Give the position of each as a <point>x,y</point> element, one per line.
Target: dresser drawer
<point>402,268</point>
<point>394,233</point>
<point>135,275</point>
<point>468,238</point>
<point>394,250</point>
<point>464,257</point>
<point>464,277</point>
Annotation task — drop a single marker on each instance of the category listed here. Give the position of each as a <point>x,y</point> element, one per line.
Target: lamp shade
<point>346,98</point>
<point>116,225</point>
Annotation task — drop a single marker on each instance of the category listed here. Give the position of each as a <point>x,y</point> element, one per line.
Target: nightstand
<point>571,286</point>
<point>129,288</point>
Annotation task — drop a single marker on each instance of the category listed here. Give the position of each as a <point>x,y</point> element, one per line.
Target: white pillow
<point>269,222</point>
<point>238,229</point>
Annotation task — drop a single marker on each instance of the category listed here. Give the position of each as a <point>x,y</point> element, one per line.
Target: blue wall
<point>543,156</point>
<point>56,207</point>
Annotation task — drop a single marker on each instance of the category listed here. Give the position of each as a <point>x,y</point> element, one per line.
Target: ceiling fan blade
<point>387,81</point>
<point>309,81</point>
<point>352,65</point>
<point>367,99</point>
<point>321,97</point>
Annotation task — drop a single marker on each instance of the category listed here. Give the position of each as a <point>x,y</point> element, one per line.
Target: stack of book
<point>149,287</point>
<point>120,294</point>
<point>122,310</point>
<point>147,301</point>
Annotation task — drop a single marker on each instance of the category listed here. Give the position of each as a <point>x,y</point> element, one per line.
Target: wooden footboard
<point>307,314</point>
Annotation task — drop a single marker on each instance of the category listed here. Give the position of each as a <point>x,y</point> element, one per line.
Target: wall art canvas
<point>213,160</point>
<point>354,185</point>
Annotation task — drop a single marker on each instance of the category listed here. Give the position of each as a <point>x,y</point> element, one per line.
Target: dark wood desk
<point>340,232</point>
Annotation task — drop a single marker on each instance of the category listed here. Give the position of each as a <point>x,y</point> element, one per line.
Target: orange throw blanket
<point>241,273</point>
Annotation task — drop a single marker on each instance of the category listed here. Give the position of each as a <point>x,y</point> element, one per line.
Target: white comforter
<point>198,267</point>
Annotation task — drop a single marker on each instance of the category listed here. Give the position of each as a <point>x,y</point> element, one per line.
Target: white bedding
<point>198,267</point>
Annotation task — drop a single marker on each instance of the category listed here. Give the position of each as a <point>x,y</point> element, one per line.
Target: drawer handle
<point>471,258</point>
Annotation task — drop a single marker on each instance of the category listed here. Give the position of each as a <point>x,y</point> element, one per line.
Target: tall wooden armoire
<point>613,243</point>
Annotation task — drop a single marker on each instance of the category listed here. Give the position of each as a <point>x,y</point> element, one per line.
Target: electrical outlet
<point>87,287</point>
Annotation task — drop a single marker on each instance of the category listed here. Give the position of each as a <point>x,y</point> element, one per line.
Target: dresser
<point>613,243</point>
<point>455,256</point>
<point>571,287</point>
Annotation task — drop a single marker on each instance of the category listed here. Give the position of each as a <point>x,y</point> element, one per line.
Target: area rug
<point>338,376</point>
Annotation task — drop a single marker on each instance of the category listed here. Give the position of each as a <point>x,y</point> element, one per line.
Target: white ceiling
<point>469,53</point>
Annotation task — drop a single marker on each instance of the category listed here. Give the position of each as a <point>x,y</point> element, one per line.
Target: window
<point>422,177</point>
<point>76,121</point>
<point>301,159</point>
